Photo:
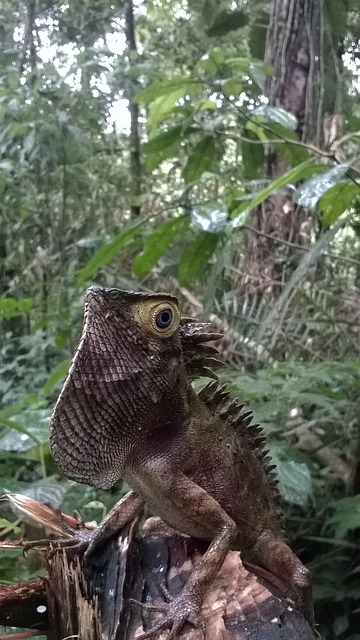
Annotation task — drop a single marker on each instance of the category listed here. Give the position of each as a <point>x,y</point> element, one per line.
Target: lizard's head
<point>133,331</point>
<point>129,377</point>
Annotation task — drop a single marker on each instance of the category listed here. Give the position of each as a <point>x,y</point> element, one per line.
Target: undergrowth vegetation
<point>174,202</point>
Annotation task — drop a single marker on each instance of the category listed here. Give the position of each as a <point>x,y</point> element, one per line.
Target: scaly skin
<point>128,410</point>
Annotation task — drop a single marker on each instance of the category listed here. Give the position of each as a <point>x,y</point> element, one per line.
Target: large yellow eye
<point>162,318</point>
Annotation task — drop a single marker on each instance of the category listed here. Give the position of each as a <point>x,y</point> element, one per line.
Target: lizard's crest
<point>199,357</point>
<point>251,436</point>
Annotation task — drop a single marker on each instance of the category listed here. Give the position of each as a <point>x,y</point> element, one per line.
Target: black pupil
<point>163,318</point>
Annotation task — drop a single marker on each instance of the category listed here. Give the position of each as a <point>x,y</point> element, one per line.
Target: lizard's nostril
<point>94,289</point>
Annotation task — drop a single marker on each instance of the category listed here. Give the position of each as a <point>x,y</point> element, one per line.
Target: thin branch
<point>294,245</point>
<point>280,136</point>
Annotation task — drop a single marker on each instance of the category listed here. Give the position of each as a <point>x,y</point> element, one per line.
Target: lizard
<point>128,410</point>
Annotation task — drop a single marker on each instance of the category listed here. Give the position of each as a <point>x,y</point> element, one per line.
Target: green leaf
<point>239,65</point>
<point>278,115</point>
<point>6,524</point>
<point>308,194</point>
<point>11,307</point>
<point>293,154</point>
<point>163,139</point>
<point>200,160</point>
<point>154,160</point>
<point>18,442</point>
<point>278,125</point>
<point>196,257</point>
<point>316,399</point>
<point>108,252</point>
<point>163,106</point>
<point>208,9</point>
<point>258,72</point>
<point>162,146</point>
<point>225,21</point>
<point>253,157</point>
<point>205,105</point>
<point>256,128</point>
<point>294,175</point>
<point>336,200</point>
<point>165,87</point>
<point>232,87</point>
<point>210,217</point>
<point>62,337</point>
<point>346,515</point>
<point>212,61</point>
<point>294,478</point>
<point>157,243</point>
<point>56,376</point>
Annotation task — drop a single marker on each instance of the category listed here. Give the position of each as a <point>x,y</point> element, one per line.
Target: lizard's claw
<point>78,543</point>
<point>179,610</point>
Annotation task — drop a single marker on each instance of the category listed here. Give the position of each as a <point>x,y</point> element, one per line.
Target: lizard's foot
<point>177,611</point>
<point>78,542</point>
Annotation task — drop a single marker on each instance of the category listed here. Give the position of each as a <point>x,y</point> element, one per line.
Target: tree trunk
<point>291,49</point>
<point>135,150</point>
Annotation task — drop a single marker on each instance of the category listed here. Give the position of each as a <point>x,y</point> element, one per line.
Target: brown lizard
<point>128,410</point>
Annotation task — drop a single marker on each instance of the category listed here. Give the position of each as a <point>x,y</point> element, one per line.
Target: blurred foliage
<point>206,132</point>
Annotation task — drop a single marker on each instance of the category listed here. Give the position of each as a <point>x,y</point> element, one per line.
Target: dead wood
<point>98,601</point>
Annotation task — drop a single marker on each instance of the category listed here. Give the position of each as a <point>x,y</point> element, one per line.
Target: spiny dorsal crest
<point>199,357</point>
<point>231,411</point>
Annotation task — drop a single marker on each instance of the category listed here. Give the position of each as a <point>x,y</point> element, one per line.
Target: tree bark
<point>291,48</point>
<point>135,177</point>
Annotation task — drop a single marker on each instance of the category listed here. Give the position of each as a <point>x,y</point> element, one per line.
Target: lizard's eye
<point>113,294</point>
<point>164,318</point>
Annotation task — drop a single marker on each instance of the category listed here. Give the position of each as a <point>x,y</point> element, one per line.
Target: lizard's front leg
<point>86,541</point>
<point>123,512</point>
<point>185,506</point>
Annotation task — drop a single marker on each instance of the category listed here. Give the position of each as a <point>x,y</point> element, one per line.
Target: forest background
<point>210,149</point>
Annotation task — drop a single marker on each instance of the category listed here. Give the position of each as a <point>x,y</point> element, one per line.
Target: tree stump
<point>101,600</point>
